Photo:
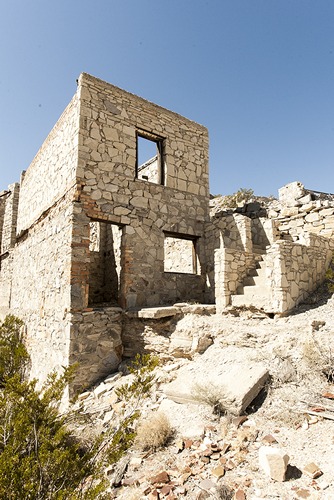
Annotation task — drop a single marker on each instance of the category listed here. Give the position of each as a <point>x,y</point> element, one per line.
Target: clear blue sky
<point>258,73</point>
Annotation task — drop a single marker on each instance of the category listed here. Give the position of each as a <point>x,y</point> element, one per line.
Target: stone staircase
<point>255,290</point>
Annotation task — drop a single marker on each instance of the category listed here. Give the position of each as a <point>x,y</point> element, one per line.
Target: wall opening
<point>150,164</point>
<point>180,254</point>
<point>105,263</point>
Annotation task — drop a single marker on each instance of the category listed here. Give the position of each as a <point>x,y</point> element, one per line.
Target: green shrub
<point>133,394</point>
<point>40,458</point>
<point>13,354</point>
<point>330,276</point>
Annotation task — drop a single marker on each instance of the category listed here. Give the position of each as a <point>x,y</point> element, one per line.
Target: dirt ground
<point>217,456</point>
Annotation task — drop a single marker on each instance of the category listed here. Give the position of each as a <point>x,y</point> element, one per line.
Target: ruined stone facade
<point>92,231</point>
<point>83,235</point>
<point>272,257</point>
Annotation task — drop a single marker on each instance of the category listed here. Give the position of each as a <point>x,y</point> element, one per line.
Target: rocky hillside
<point>280,446</point>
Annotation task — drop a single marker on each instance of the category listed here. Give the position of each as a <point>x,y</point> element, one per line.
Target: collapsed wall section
<point>297,269</point>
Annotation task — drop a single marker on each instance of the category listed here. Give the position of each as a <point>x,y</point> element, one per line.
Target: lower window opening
<point>105,263</point>
<point>180,255</point>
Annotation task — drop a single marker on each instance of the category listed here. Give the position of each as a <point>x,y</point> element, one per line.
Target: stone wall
<point>9,217</point>
<point>231,267</point>
<point>96,344</point>
<point>53,171</point>
<point>149,170</point>
<point>296,269</point>
<point>229,239</point>
<point>37,275</point>
<point>110,120</point>
<point>264,232</point>
<point>301,210</point>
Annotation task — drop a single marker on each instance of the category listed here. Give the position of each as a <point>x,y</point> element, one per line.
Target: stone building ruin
<point>110,227</point>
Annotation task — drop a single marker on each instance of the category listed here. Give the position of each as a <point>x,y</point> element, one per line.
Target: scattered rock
<point>218,472</point>
<point>269,439</point>
<point>274,462</point>
<point>312,470</point>
<point>162,477</point>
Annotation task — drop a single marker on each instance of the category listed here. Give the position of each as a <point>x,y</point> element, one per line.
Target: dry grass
<point>211,395</point>
<point>319,358</point>
<point>154,432</point>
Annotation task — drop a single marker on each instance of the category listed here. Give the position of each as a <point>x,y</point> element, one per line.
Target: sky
<point>259,74</point>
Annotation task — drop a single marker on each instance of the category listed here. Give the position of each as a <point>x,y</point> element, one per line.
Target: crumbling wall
<point>36,273</point>
<point>149,170</point>
<point>296,269</point>
<point>8,223</point>
<point>231,267</point>
<point>96,345</point>
<point>40,288</point>
<point>229,239</point>
<point>301,210</point>
<point>9,218</point>
<point>264,232</point>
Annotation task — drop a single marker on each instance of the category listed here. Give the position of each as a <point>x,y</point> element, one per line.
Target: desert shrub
<point>241,196</point>
<point>13,354</point>
<point>330,276</point>
<point>122,436</point>
<point>223,492</point>
<point>319,358</point>
<point>154,432</point>
<point>40,458</point>
<point>211,395</point>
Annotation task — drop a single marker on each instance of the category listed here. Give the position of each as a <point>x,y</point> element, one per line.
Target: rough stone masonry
<point>113,215</point>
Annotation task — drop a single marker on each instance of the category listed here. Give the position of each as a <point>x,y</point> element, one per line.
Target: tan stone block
<point>273,462</point>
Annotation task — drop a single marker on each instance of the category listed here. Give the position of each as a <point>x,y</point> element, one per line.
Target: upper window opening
<point>150,158</point>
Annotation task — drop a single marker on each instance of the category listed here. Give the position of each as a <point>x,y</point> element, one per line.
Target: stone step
<point>255,279</point>
<point>258,300</point>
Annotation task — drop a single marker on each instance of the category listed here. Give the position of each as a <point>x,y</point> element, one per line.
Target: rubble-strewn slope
<point>211,452</point>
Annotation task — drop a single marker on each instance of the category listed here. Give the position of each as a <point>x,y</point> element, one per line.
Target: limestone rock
<point>274,462</point>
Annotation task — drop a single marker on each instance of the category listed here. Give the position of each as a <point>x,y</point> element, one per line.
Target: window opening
<point>150,158</point>
<point>180,254</point>
<point>105,263</point>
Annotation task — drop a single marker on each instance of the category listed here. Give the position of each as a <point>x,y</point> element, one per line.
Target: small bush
<point>154,433</point>
<point>14,357</point>
<point>240,197</point>
<point>40,457</point>
<point>122,436</point>
<point>319,358</point>
<point>330,276</point>
<point>211,395</point>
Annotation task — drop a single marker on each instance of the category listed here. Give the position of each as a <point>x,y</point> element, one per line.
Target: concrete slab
<point>226,374</point>
<point>154,312</point>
